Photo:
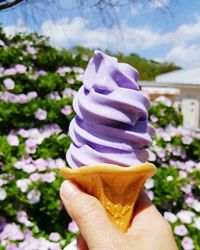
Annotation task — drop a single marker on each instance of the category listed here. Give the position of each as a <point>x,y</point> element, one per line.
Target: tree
<point>4,4</point>
<point>106,9</point>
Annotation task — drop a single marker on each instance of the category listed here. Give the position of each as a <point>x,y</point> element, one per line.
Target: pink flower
<point>34,177</point>
<point>189,200</point>
<point>54,236</point>
<point>41,164</point>
<point>185,216</point>
<point>11,232</point>
<point>9,72</point>
<point>30,146</point>
<point>22,98</point>
<point>29,168</point>
<point>51,163</point>
<point>21,69</point>
<point>66,110</point>
<point>196,205</point>
<point>165,136</point>
<point>23,184</point>
<point>182,174</point>
<point>13,140</point>
<point>3,182</point>
<point>160,153</point>
<point>170,217</point>
<point>34,196</point>
<point>11,246</point>
<point>9,83</point>
<point>54,95</point>
<point>23,219</point>
<point>72,227</point>
<point>197,223</point>
<point>149,184</point>
<point>152,156</point>
<point>187,243</point>
<point>62,70</point>
<point>32,50</point>
<point>153,118</point>
<point>70,80</point>
<point>24,133</point>
<point>176,151</point>
<point>3,194</point>
<point>49,177</point>
<point>21,216</point>
<point>189,165</point>
<point>187,140</point>
<point>187,189</point>
<point>40,114</point>
<point>67,92</point>
<point>150,194</point>
<point>180,230</point>
<point>32,95</point>
<point>60,163</point>
<point>27,233</point>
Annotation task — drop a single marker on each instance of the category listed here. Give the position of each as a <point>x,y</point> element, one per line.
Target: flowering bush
<point>37,85</point>
<point>176,186</point>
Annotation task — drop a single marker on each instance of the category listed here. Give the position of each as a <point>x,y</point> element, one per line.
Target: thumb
<point>89,215</point>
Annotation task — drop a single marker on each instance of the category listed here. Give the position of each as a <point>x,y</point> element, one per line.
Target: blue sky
<point>147,28</point>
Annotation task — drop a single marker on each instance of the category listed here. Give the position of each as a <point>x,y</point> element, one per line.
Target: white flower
<point>185,216</point>
<point>34,196</point>
<point>2,194</point>
<point>23,184</point>
<point>197,223</point>
<point>28,168</point>
<point>40,114</point>
<point>13,140</point>
<point>170,217</point>
<point>196,206</point>
<point>149,184</point>
<point>9,83</point>
<point>170,178</point>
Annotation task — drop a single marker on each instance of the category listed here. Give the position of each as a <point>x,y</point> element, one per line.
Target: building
<point>182,87</point>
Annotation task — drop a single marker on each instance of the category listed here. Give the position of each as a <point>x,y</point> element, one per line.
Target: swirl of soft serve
<point>111,123</point>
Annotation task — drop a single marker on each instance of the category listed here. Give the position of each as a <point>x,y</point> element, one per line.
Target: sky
<point>162,30</point>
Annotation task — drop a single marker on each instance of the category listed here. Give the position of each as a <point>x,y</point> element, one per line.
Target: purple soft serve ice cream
<point>111,125</point>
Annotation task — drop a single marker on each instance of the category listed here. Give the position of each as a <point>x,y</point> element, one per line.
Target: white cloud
<point>63,32</point>
<point>159,4</point>
<point>184,42</point>
<point>185,33</point>
<point>16,28</point>
<point>188,56</point>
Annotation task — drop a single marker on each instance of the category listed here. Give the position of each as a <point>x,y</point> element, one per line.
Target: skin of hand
<point>148,231</point>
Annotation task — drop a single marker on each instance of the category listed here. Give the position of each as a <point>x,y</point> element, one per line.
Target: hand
<point>148,231</point>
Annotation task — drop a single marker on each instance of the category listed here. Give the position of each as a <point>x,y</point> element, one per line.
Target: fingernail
<point>68,190</point>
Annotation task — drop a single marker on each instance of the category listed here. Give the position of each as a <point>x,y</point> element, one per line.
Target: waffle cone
<point>116,187</point>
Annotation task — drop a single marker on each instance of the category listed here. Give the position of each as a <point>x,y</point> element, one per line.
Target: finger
<point>81,244</point>
<point>145,214</point>
<point>88,213</point>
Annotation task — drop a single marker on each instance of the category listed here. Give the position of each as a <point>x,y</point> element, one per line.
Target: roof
<point>183,77</point>
<point>161,91</point>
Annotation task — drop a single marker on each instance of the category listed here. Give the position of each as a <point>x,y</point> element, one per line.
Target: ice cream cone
<point>116,187</point>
